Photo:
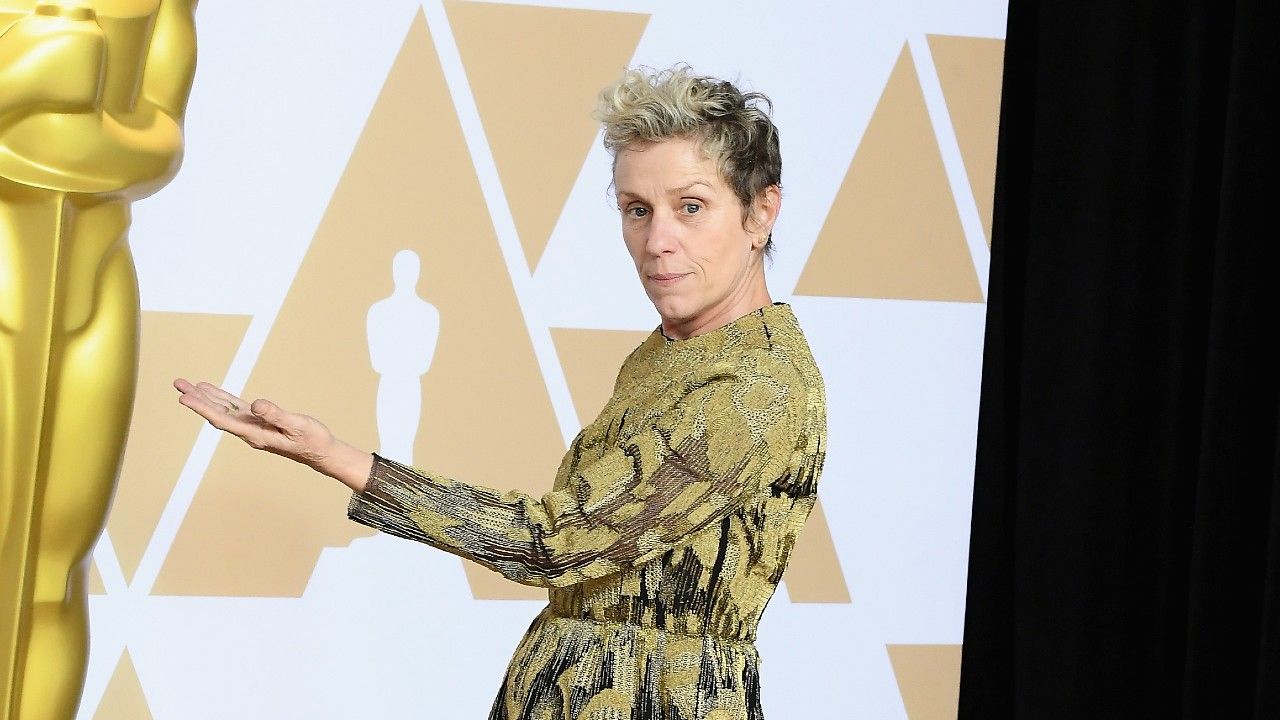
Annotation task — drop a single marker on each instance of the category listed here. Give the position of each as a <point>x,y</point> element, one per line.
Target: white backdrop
<point>387,628</point>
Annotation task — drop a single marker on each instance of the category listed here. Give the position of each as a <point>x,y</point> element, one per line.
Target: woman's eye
<point>692,208</point>
<point>637,211</point>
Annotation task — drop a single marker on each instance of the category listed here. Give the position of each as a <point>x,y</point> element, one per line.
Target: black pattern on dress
<point>671,520</point>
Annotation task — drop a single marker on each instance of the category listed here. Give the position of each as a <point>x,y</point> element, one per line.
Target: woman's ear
<point>764,213</point>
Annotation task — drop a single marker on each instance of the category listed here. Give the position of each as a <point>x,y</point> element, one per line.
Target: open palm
<point>262,424</point>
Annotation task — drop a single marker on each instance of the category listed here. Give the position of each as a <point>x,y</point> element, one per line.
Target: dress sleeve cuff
<point>389,496</point>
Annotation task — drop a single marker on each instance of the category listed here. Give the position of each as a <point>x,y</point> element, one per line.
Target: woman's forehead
<point>671,165</point>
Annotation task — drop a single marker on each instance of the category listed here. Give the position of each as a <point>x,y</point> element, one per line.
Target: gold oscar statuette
<point>92,95</point>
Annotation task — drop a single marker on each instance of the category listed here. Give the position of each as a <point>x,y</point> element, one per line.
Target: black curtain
<point>1125,549</point>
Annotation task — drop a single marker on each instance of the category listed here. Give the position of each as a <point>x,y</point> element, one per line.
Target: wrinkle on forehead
<point>671,192</point>
<point>689,168</point>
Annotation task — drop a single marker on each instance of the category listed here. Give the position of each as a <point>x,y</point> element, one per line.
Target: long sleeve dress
<point>666,532</point>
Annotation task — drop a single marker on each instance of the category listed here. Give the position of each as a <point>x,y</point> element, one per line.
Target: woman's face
<point>682,224</point>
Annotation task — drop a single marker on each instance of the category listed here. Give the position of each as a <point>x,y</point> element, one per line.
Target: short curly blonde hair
<point>735,128</point>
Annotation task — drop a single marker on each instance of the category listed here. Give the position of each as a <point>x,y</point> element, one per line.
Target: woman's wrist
<point>348,465</point>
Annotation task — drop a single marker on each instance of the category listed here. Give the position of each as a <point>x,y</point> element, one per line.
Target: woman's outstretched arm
<point>732,436</point>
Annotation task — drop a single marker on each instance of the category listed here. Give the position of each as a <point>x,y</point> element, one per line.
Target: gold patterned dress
<point>666,532</point>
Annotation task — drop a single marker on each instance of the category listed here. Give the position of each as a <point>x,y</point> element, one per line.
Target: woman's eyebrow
<point>629,194</point>
<point>690,186</point>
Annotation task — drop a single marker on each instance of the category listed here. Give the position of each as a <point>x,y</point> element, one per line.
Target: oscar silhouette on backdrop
<point>403,330</point>
<point>92,96</point>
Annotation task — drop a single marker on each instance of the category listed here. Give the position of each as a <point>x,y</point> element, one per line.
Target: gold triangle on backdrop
<point>970,70</point>
<point>928,678</point>
<point>196,346</point>
<point>590,359</point>
<point>96,586</point>
<point>893,230</point>
<point>814,574</point>
<point>123,699</point>
<point>258,522</point>
<point>534,73</point>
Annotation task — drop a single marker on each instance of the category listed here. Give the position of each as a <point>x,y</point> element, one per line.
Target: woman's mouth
<point>667,278</point>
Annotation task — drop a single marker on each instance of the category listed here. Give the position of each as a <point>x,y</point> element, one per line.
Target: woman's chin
<point>672,313</point>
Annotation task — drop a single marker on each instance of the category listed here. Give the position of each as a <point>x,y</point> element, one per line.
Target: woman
<point>674,513</point>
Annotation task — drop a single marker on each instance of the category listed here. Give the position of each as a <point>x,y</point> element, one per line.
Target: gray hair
<point>734,128</point>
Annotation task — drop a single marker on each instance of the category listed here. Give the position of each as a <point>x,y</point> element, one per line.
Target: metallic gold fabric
<point>670,522</point>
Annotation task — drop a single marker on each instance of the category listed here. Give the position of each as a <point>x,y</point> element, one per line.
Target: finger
<point>219,415</point>
<point>218,393</point>
<point>202,405</point>
<point>253,433</point>
<point>185,386</point>
<point>243,424</point>
<point>208,402</point>
<point>276,415</point>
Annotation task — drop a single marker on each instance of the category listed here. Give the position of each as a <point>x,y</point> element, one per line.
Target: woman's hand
<point>263,425</point>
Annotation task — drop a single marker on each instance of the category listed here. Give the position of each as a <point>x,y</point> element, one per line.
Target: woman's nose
<point>663,234</point>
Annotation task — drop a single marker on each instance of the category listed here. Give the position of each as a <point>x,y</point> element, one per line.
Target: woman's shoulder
<point>774,344</point>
